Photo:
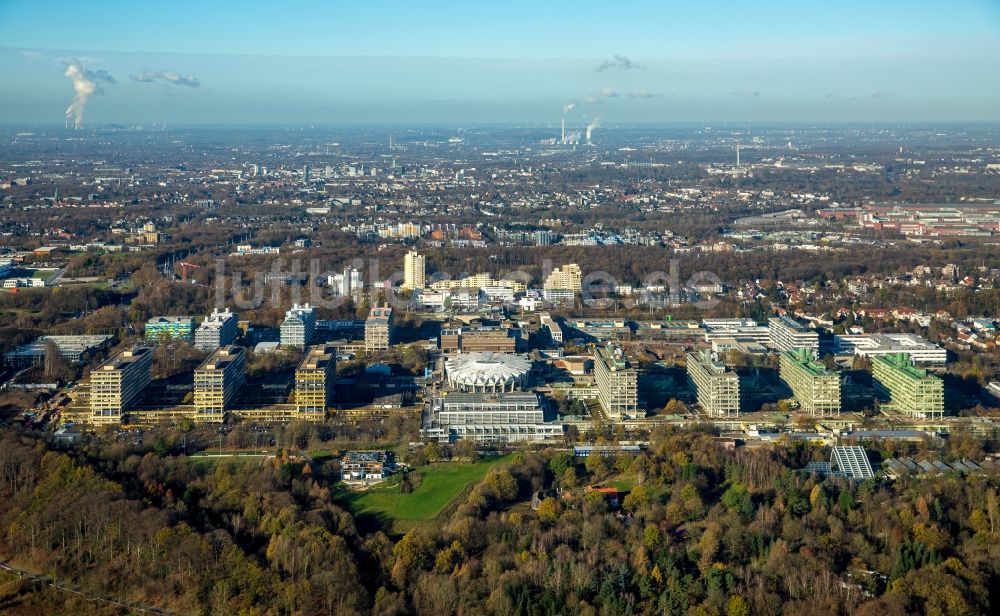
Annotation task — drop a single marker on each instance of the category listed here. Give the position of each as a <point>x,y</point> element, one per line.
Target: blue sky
<point>469,62</point>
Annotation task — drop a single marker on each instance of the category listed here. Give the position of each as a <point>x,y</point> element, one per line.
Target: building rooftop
<point>79,344</point>
<point>509,397</point>
<point>221,358</point>
<point>612,358</point>
<point>126,358</point>
<point>165,320</point>
<point>217,318</point>
<point>380,313</point>
<point>487,367</point>
<point>791,323</point>
<point>300,311</point>
<point>903,364</point>
<point>318,358</point>
<point>851,461</point>
<point>366,456</point>
<point>599,323</point>
<point>890,342</point>
<point>266,347</point>
<point>805,359</point>
<point>711,364</point>
<point>674,325</point>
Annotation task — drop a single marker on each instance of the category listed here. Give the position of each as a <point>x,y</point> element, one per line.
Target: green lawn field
<point>440,484</point>
<point>208,463</point>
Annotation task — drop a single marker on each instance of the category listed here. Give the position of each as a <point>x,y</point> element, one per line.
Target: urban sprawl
<point>503,286</point>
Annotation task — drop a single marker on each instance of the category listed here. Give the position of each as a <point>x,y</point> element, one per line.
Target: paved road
<point>41,578</point>
<point>57,277</point>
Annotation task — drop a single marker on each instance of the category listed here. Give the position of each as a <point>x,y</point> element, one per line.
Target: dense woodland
<point>701,530</point>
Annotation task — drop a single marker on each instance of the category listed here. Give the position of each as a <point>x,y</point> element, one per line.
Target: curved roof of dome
<point>487,368</point>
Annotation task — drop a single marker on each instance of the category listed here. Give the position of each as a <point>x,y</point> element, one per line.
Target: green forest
<point>700,530</point>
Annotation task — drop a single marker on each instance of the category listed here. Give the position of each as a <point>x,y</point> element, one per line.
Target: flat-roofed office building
<point>414,271</point>
<point>787,334</point>
<point>816,388</point>
<point>350,282</point>
<point>217,330</point>
<point>617,383</point>
<point>488,339</point>
<point>315,379</point>
<point>913,391</point>
<point>717,388</point>
<point>450,339</point>
<point>920,350</point>
<point>563,284</point>
<point>117,384</point>
<point>217,381</point>
<point>489,418</point>
<point>379,328</point>
<point>551,326</point>
<point>299,326</point>
<point>367,465</point>
<point>169,328</point>
<point>74,349</point>
<point>721,329</point>
<point>567,277</point>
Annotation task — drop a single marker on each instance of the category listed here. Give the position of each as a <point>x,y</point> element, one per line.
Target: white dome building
<point>487,372</point>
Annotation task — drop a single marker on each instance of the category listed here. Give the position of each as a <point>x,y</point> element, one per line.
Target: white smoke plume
<point>569,107</point>
<point>617,62</point>
<point>147,76</point>
<point>85,83</point>
<point>595,123</point>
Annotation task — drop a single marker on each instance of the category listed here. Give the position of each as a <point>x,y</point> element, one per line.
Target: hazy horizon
<point>387,63</point>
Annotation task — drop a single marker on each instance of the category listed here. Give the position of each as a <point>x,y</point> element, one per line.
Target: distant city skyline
<point>433,62</point>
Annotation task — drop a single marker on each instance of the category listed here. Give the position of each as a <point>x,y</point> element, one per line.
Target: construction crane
<point>184,269</point>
